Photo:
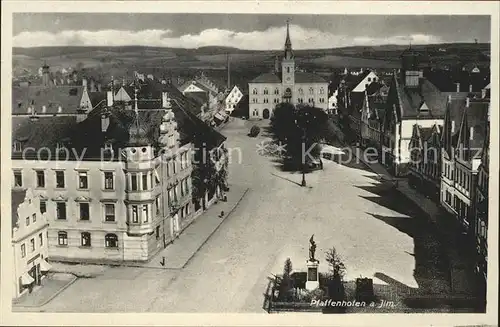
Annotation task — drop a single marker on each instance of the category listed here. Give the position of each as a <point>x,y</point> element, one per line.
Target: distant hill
<point>129,58</point>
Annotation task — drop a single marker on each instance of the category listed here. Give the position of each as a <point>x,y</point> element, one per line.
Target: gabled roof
<point>200,97</point>
<point>67,97</point>
<point>474,116</point>
<point>267,78</point>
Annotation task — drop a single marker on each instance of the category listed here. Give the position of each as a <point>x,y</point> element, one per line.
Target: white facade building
<point>288,85</point>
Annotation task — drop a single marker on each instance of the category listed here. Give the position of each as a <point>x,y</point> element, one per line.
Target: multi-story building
<point>411,100</point>
<point>117,185</point>
<point>425,163</point>
<point>286,85</point>
<point>29,241</point>
<point>481,215</point>
<point>460,157</point>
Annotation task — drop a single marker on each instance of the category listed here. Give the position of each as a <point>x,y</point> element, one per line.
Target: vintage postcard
<point>229,163</point>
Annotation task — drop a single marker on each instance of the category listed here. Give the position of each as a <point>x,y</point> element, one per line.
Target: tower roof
<point>288,42</point>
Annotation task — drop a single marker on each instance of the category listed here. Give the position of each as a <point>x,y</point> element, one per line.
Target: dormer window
<point>108,146</point>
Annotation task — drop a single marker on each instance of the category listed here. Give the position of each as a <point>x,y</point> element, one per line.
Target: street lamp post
<point>303,158</point>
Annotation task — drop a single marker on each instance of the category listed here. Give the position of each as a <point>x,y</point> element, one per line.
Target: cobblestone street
<point>377,231</point>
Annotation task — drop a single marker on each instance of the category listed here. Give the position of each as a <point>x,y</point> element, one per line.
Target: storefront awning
<point>45,266</point>
<point>26,279</point>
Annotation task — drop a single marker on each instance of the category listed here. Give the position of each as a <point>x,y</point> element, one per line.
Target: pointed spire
<point>136,108</point>
<point>288,42</point>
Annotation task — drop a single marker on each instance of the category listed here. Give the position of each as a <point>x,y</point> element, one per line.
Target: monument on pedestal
<point>312,282</point>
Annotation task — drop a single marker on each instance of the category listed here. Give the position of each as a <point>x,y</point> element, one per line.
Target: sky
<point>244,31</point>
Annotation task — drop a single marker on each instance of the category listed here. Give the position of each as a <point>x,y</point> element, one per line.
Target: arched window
<point>62,238</point>
<point>311,90</point>
<point>85,238</point>
<point>111,241</point>
<point>266,91</point>
<point>254,91</point>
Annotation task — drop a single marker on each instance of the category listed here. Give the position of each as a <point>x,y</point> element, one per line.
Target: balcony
<point>139,228</point>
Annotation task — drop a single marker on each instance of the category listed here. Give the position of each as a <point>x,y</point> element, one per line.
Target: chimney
<point>467,102</point>
<point>165,100</point>
<point>44,109</point>
<point>471,133</point>
<point>104,123</point>
<point>458,87</point>
<point>59,109</point>
<point>99,87</point>
<point>453,127</point>
<point>55,81</point>
<point>110,98</point>
<point>29,110</point>
<point>92,85</point>
<point>470,88</point>
<point>84,83</point>
<point>449,98</point>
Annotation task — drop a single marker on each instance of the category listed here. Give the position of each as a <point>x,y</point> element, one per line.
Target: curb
<point>216,228</point>
<point>51,297</point>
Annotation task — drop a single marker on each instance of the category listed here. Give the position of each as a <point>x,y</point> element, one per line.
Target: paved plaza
<point>376,230</point>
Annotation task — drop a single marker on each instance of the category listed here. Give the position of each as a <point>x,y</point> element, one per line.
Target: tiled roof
<point>45,132</point>
<point>200,97</point>
<point>425,133</point>
<point>267,78</point>
<point>303,77</point>
<point>87,138</point>
<point>68,97</point>
<point>18,197</point>
<point>445,82</point>
<point>476,115</point>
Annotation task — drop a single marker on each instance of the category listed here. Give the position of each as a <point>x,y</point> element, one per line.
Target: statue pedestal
<point>312,282</point>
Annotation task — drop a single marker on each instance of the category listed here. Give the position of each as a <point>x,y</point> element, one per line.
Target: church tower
<point>288,66</point>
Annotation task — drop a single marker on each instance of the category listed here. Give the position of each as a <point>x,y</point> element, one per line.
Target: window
<point>135,214</point>
<point>23,250</point>
<point>266,91</point>
<point>61,210</point>
<point>108,180</point>
<point>144,181</point>
<point>133,178</point>
<point>62,238</point>
<point>40,239</point>
<point>18,146</point>
<point>288,70</point>
<point>34,217</point>
<point>301,91</point>
<point>40,178</point>
<point>254,91</point>
<point>157,205</point>
<point>321,91</point>
<point>111,241</point>
<point>18,178</point>
<point>27,221</point>
<point>84,211</point>
<point>85,239</point>
<point>369,79</point>
<point>109,212</point>
<point>83,180</point>
<point>157,232</point>
<point>59,179</point>
<point>145,213</point>
<point>32,245</point>
<point>276,91</point>
<point>174,167</point>
<point>266,100</point>
<point>311,90</point>
<point>43,207</point>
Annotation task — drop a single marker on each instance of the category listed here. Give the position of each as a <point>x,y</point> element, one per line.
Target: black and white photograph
<point>254,161</point>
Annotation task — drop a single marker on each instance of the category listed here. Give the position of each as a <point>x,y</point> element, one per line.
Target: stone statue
<point>312,248</point>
